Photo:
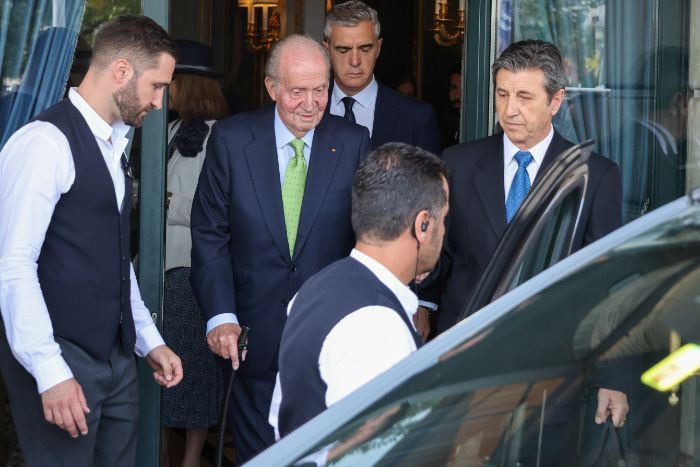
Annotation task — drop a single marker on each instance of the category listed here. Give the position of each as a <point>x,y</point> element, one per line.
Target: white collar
<point>408,300</point>
<point>365,97</point>
<point>100,128</point>
<point>538,151</point>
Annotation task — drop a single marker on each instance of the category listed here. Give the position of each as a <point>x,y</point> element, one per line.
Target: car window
<point>523,390</point>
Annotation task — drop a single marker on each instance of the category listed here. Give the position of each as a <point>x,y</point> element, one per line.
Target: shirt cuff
<point>222,318</point>
<point>429,305</point>
<point>147,339</point>
<point>50,372</point>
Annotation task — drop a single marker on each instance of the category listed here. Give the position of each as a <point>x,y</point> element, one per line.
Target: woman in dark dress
<point>196,96</point>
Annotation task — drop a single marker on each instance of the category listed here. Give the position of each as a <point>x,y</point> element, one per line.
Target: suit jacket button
<point>285,302</point>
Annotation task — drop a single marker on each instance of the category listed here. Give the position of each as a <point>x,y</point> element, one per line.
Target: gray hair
<point>293,41</point>
<point>393,184</point>
<point>533,54</point>
<point>351,14</point>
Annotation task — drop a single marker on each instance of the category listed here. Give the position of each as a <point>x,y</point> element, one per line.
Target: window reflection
<point>627,84</point>
<point>523,392</point>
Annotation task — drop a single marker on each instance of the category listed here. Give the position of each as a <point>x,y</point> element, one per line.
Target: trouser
<point>111,390</point>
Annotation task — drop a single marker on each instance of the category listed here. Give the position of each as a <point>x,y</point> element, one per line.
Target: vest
<point>84,263</point>
<point>325,299</point>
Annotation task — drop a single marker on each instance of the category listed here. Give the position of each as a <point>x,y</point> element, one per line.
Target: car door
<point>542,231</point>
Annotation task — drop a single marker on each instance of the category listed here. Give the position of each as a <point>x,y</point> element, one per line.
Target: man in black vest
<point>72,311</point>
<point>353,320</point>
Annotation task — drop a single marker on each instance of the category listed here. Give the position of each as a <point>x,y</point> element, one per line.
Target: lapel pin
<point>332,149</point>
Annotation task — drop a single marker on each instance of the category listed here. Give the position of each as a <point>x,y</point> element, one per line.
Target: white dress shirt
<point>510,164</point>
<point>36,168</point>
<point>362,345</point>
<point>285,153</point>
<point>363,108</point>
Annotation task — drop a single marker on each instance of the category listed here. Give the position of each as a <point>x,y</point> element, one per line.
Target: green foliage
<point>100,11</point>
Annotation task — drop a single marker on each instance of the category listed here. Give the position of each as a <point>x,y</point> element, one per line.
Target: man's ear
<point>270,86</point>
<point>122,70</point>
<point>379,46</point>
<point>556,101</point>
<point>420,225</point>
<point>325,44</point>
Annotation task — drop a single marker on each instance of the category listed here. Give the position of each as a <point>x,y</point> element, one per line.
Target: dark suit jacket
<point>240,256</point>
<point>403,119</point>
<point>478,216</point>
<point>400,118</point>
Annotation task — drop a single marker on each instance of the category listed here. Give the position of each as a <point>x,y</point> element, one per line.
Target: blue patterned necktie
<point>520,185</point>
<point>348,102</point>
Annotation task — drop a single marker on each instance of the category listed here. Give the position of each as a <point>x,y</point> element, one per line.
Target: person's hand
<point>611,403</point>
<point>223,341</point>
<point>166,365</point>
<point>65,406</point>
<point>421,319</point>
<point>168,195</point>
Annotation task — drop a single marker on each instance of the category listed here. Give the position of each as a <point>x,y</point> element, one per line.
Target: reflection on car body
<point>486,392</point>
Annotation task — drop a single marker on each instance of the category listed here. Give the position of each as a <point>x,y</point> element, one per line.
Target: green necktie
<point>293,191</point>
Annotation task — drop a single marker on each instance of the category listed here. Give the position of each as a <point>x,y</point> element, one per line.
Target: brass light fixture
<point>444,33</point>
<point>264,36</point>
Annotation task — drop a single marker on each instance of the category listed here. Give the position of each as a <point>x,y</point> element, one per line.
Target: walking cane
<point>242,346</point>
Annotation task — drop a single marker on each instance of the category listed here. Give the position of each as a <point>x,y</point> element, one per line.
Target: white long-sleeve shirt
<point>346,361</point>
<point>36,168</point>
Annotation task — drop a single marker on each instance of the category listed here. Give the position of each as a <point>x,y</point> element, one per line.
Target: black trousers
<point>111,391</point>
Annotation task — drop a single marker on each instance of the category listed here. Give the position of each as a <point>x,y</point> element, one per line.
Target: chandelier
<point>261,36</point>
<point>444,33</point>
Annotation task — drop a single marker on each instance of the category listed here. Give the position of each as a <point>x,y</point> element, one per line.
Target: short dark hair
<point>393,184</point>
<point>136,38</point>
<point>533,54</point>
<point>351,14</point>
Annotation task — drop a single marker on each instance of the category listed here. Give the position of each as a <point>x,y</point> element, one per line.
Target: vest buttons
<point>123,279</point>
<point>285,302</point>
<point>293,267</point>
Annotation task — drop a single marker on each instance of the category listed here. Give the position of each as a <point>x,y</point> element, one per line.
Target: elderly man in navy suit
<point>272,208</point>
<point>352,39</point>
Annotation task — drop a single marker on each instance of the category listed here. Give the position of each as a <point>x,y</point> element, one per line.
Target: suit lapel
<point>325,153</point>
<point>556,147</point>
<point>489,185</point>
<point>385,117</point>
<point>261,156</point>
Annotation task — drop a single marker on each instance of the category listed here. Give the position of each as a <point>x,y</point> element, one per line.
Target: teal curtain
<point>620,84</point>
<point>37,42</point>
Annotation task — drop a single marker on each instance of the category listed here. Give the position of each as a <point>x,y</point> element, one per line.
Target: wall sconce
<point>442,35</point>
<point>264,37</point>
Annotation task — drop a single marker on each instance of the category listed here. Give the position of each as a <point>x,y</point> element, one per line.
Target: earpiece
<point>424,226</point>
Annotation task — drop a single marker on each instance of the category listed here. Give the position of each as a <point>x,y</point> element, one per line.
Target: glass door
<point>627,68</point>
